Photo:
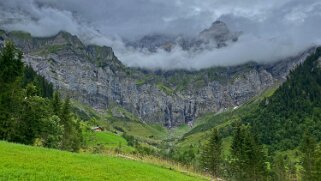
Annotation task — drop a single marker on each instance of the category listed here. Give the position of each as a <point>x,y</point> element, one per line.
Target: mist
<point>272,30</point>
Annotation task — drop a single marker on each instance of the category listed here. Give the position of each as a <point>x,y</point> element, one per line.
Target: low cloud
<point>272,30</point>
<point>248,48</point>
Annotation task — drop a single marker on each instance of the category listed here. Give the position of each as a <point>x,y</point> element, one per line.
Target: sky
<point>272,30</point>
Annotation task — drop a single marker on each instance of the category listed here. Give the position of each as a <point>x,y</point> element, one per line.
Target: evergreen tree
<point>248,156</point>
<point>65,120</point>
<point>44,88</point>
<point>72,136</point>
<point>11,68</point>
<point>56,104</point>
<point>11,64</point>
<point>34,111</point>
<point>77,136</point>
<point>211,154</point>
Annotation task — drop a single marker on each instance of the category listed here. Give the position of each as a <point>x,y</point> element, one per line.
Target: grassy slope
<point>108,140</point>
<point>30,163</point>
<point>129,122</point>
<point>199,133</point>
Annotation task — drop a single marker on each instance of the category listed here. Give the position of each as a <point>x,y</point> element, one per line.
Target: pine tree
<point>211,154</point>
<point>56,104</point>
<point>66,122</point>
<point>72,136</point>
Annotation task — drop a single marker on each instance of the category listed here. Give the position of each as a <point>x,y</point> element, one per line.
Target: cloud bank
<point>272,30</point>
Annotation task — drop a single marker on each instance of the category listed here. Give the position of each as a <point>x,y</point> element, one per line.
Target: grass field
<point>108,140</point>
<point>19,162</point>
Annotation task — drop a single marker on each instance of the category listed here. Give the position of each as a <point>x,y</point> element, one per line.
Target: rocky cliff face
<point>94,75</point>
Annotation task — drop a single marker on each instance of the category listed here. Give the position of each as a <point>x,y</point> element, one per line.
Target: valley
<point>160,90</point>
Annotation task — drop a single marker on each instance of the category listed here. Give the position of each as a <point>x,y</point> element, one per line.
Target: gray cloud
<point>272,29</point>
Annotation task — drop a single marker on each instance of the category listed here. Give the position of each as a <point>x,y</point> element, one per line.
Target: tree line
<point>250,160</point>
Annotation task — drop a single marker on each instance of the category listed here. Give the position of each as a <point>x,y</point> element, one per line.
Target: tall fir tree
<point>72,135</point>
<point>211,154</point>
<point>56,103</point>
<point>248,156</point>
<point>65,118</point>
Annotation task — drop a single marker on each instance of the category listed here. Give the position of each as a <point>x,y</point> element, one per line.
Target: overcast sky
<point>272,29</point>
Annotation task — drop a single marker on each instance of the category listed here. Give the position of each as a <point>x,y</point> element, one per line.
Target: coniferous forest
<point>294,108</point>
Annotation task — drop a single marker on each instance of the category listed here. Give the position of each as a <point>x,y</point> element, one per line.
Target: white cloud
<point>271,29</point>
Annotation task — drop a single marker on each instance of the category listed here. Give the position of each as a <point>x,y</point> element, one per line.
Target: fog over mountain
<point>271,30</point>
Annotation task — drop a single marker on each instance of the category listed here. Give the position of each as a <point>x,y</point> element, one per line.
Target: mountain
<point>219,34</point>
<point>93,75</point>
<point>216,36</point>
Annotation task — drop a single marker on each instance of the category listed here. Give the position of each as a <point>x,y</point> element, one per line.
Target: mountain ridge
<point>93,75</point>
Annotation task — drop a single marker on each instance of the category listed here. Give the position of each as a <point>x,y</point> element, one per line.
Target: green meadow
<point>20,162</point>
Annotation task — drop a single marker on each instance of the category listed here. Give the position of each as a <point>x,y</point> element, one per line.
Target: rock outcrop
<point>219,34</point>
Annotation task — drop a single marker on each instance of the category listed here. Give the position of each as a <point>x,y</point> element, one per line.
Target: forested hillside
<point>294,108</point>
